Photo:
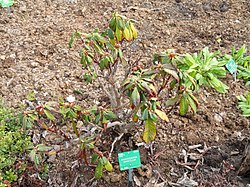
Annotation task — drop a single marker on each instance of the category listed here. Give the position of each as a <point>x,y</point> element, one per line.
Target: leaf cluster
<point>242,60</point>
<point>244,104</point>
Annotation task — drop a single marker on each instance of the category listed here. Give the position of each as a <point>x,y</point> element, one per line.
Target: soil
<point>34,56</point>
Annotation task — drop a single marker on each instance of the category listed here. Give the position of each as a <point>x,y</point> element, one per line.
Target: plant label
<point>6,3</point>
<point>129,160</point>
<point>231,66</point>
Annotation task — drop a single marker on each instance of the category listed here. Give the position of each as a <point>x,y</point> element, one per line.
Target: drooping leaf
<point>135,96</point>
<point>183,105</point>
<point>127,34</point>
<point>145,114</point>
<point>112,23</point>
<point>172,72</point>
<point>98,170</point>
<point>111,34</point>
<point>49,115</point>
<point>133,29</point>
<point>192,104</point>
<point>149,131</point>
<point>172,101</point>
<point>108,166</point>
<point>98,118</point>
<point>118,34</point>
<point>120,24</point>
<point>104,63</point>
<point>162,115</point>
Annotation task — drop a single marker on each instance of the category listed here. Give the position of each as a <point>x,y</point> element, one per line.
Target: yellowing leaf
<point>51,153</point>
<point>192,104</point>
<point>162,115</point>
<point>108,166</point>
<point>133,29</point>
<point>149,131</point>
<point>127,34</point>
<point>118,34</point>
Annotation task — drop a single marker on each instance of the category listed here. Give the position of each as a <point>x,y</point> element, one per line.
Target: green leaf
<point>94,158</point>
<point>183,105</point>
<point>83,61</point>
<point>172,101</point>
<point>98,118</point>
<point>120,53</point>
<point>88,78</point>
<point>49,115</point>
<point>72,38</point>
<point>145,114</point>
<point>75,128</point>
<point>112,23</point>
<point>135,96</point>
<point>98,170</point>
<point>172,72</point>
<point>31,96</point>
<point>110,115</point>
<point>120,24</point>
<point>88,60</point>
<point>42,147</point>
<point>34,158</point>
<point>149,131</point>
<point>91,145</point>
<point>162,115</point>
<point>111,34</point>
<point>104,63</point>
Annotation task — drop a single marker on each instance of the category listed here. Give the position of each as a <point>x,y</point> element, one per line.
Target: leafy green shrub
<point>205,68</point>
<point>138,88</point>
<point>244,104</point>
<point>13,145</point>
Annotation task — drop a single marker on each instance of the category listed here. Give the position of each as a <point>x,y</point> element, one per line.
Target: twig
<point>113,144</point>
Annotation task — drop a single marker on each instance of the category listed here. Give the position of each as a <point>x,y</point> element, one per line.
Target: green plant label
<point>231,66</point>
<point>6,3</point>
<point>129,160</point>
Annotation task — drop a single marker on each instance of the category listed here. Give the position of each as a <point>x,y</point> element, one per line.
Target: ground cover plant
<point>244,104</point>
<point>14,146</point>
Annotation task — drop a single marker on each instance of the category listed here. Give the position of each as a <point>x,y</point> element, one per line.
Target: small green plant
<point>14,143</point>
<point>204,68</point>
<point>244,104</point>
<point>243,62</point>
